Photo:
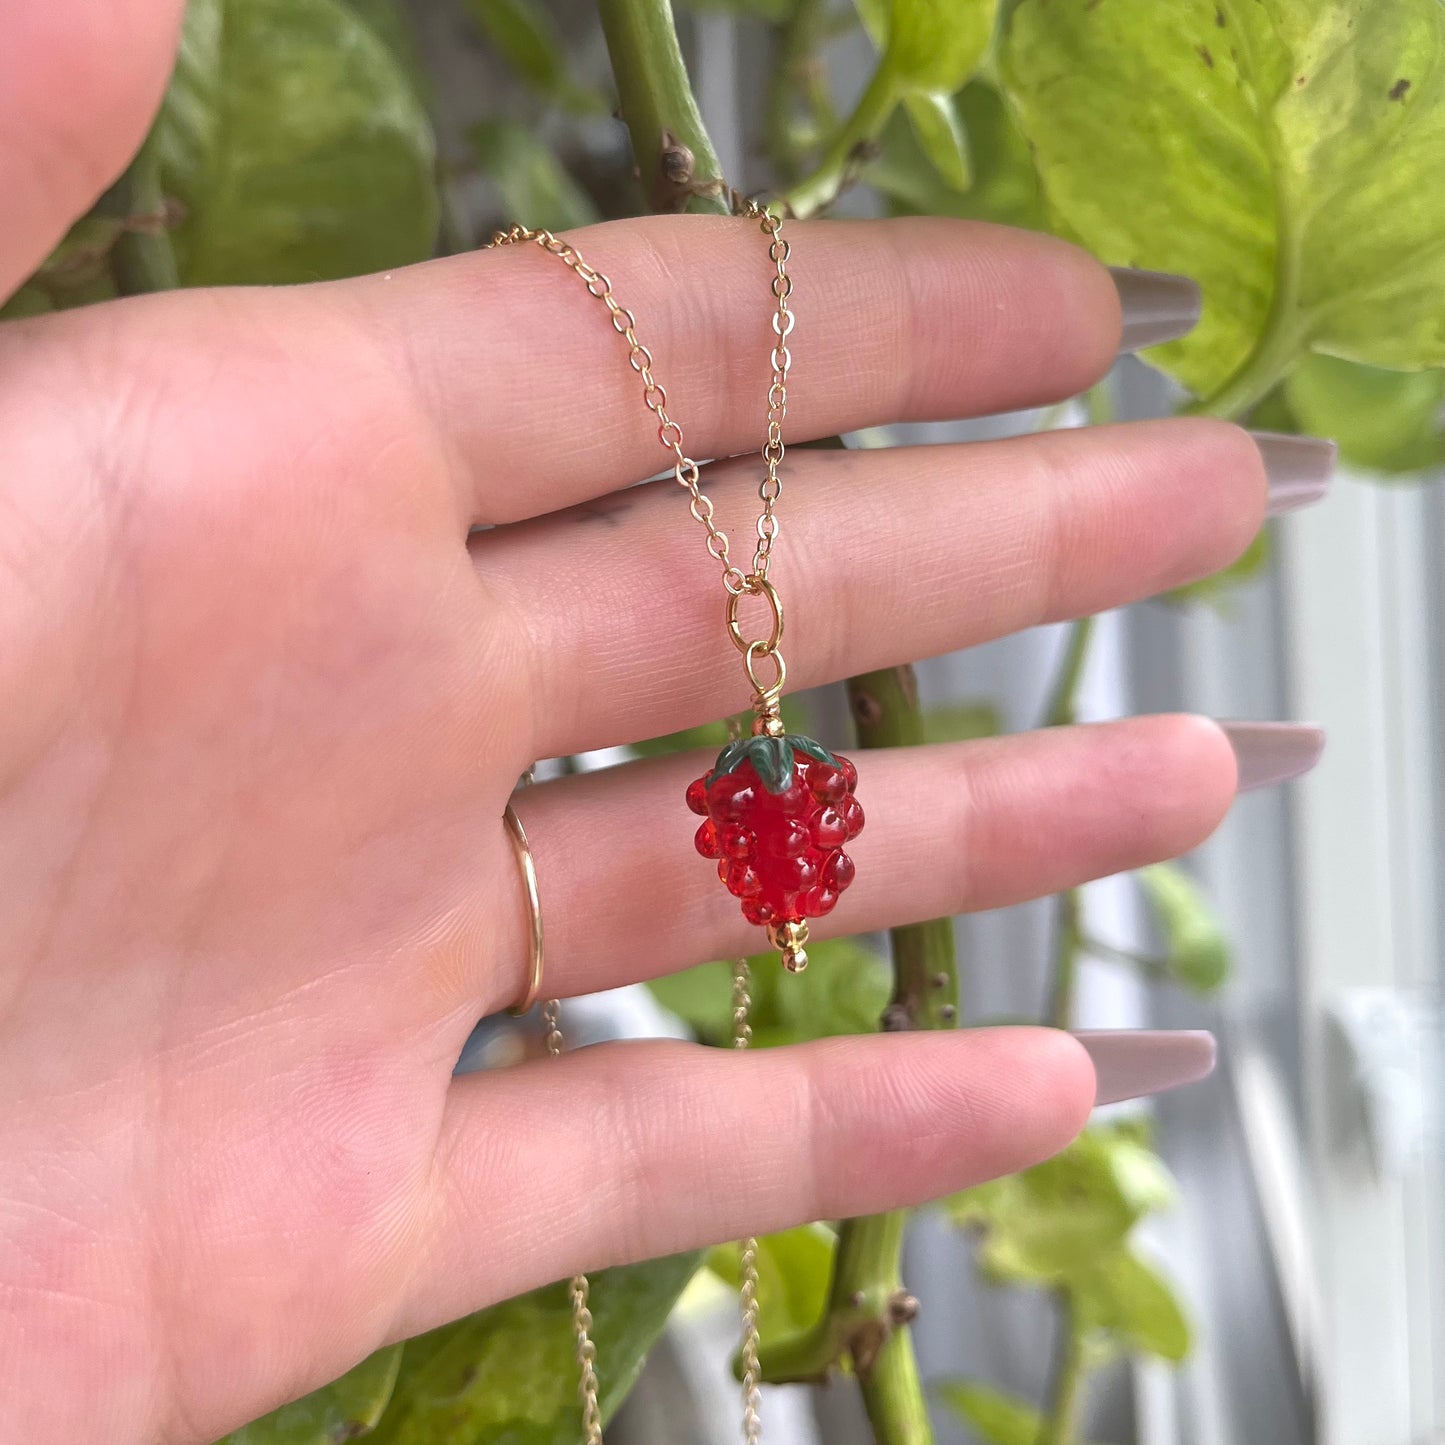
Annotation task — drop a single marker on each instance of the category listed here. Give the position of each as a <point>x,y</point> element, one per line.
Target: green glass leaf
<point>961,722</point>
<point>810,747</point>
<point>508,1376</point>
<point>296,145</point>
<point>992,1415</point>
<point>772,760</point>
<point>346,1409</point>
<point>1048,1223</point>
<point>1388,422</point>
<point>1287,154</point>
<point>795,1269</point>
<point>535,186</point>
<point>528,39</point>
<point>1196,951</point>
<point>1129,1300</point>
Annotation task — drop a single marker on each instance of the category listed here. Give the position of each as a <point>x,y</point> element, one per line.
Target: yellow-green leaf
<point>795,1269</point>
<point>508,1376</point>
<point>1133,1303</point>
<point>934,46</point>
<point>535,187</point>
<point>992,1415</point>
<point>936,123</point>
<point>346,1409</point>
<point>1196,951</point>
<point>1389,422</point>
<point>296,145</point>
<point>1287,154</point>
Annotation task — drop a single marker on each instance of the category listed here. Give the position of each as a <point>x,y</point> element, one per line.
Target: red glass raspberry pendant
<point>777,812</point>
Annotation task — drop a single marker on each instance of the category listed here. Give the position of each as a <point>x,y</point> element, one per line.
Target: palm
<point>263,705</point>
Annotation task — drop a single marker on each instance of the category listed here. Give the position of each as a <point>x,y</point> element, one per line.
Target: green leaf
<point>343,1410</point>
<point>843,991</point>
<point>811,747</point>
<point>1132,1302</point>
<point>27,301</point>
<point>534,185</point>
<point>706,735</point>
<point>795,1269</point>
<point>701,997</point>
<point>527,38</point>
<point>1389,422</point>
<point>936,123</point>
<point>296,145</point>
<point>507,1376</point>
<point>934,46</point>
<point>992,1415</point>
<point>1215,590</point>
<point>1197,953</point>
<point>1048,1223</point>
<point>1287,154</point>
<point>961,722</point>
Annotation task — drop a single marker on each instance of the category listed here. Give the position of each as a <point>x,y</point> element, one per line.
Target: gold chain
<point>737,583</point>
<point>669,433</point>
<point>748,1286</point>
<point>577,1287</point>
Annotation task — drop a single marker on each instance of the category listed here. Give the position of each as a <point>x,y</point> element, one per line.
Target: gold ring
<point>523,850</point>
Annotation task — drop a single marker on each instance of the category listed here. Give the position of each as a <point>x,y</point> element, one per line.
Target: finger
<point>630,1151</point>
<point>951,829</point>
<point>79,83</point>
<point>883,557</point>
<point>521,371</point>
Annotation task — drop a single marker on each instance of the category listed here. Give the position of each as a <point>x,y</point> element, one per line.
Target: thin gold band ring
<point>523,850</point>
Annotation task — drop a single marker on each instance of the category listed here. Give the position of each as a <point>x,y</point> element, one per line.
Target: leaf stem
<point>1066,1401</point>
<point>796,69</point>
<point>855,137</point>
<point>1063,701</point>
<point>1066,960</point>
<point>143,259</point>
<point>676,162</point>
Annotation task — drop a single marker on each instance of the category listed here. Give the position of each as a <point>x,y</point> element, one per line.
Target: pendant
<point>777,809</point>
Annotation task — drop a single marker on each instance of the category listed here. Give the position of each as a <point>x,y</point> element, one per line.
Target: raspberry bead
<point>777,812</point>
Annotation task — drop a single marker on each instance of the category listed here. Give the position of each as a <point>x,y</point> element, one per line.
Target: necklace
<point>776,807</point>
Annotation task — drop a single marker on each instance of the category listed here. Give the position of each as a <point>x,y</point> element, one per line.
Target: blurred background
<point>1257,1259</point>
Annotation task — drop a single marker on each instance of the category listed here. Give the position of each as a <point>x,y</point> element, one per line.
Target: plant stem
<point>1066,1404</point>
<point>1066,960</point>
<point>1063,701</point>
<point>854,139</point>
<point>675,159</point>
<point>925,966</point>
<point>795,71</point>
<point>143,259</point>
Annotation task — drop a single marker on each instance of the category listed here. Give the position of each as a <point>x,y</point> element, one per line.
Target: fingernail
<point>1130,1063</point>
<point>1273,752</point>
<point>1298,468</point>
<point>1156,305</point>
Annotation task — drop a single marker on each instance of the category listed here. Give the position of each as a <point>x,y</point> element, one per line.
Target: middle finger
<point>883,557</point>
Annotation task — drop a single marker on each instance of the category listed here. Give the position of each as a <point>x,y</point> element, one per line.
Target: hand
<point>264,695</point>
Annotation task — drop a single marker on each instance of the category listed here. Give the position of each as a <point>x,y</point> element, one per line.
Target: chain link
<point>669,432</point>
<point>748,1288</point>
<point>577,1286</point>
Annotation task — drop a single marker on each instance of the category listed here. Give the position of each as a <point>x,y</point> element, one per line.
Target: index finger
<point>523,375</point>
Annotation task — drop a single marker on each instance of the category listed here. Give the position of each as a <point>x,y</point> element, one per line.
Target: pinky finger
<point>624,1152</point>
